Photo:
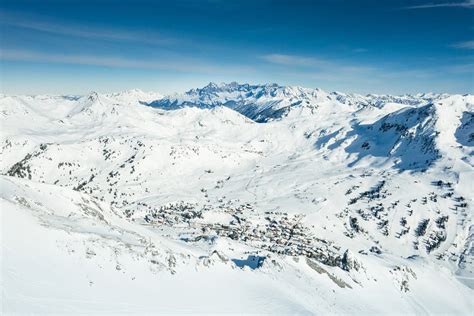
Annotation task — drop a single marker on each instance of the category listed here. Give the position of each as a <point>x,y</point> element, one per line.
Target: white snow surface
<point>237,198</point>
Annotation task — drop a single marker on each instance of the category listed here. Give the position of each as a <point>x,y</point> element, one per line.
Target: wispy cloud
<point>464,4</point>
<point>345,75</point>
<point>465,45</point>
<point>83,31</point>
<point>461,69</point>
<point>293,60</point>
<point>314,63</point>
<point>182,65</point>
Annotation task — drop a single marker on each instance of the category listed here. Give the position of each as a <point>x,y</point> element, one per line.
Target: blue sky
<point>353,46</point>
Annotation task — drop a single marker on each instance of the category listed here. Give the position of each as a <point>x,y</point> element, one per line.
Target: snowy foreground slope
<point>237,198</point>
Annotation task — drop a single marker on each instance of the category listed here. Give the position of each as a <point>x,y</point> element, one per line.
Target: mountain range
<point>237,198</point>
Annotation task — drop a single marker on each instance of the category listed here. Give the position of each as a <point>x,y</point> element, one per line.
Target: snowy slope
<point>303,201</point>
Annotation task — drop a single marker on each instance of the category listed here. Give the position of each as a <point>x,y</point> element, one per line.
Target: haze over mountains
<point>238,198</point>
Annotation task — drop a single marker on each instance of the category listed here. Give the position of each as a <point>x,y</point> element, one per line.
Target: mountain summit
<point>267,102</point>
<point>261,103</point>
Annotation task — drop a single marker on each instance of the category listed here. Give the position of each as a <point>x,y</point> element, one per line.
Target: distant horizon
<point>165,94</point>
<point>383,47</point>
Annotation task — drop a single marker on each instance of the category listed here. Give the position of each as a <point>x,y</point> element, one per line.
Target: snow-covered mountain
<point>260,103</point>
<point>134,96</point>
<point>266,102</point>
<point>237,198</point>
<point>381,100</point>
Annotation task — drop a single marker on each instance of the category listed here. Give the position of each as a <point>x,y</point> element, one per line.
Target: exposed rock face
<point>349,262</point>
<point>261,103</point>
